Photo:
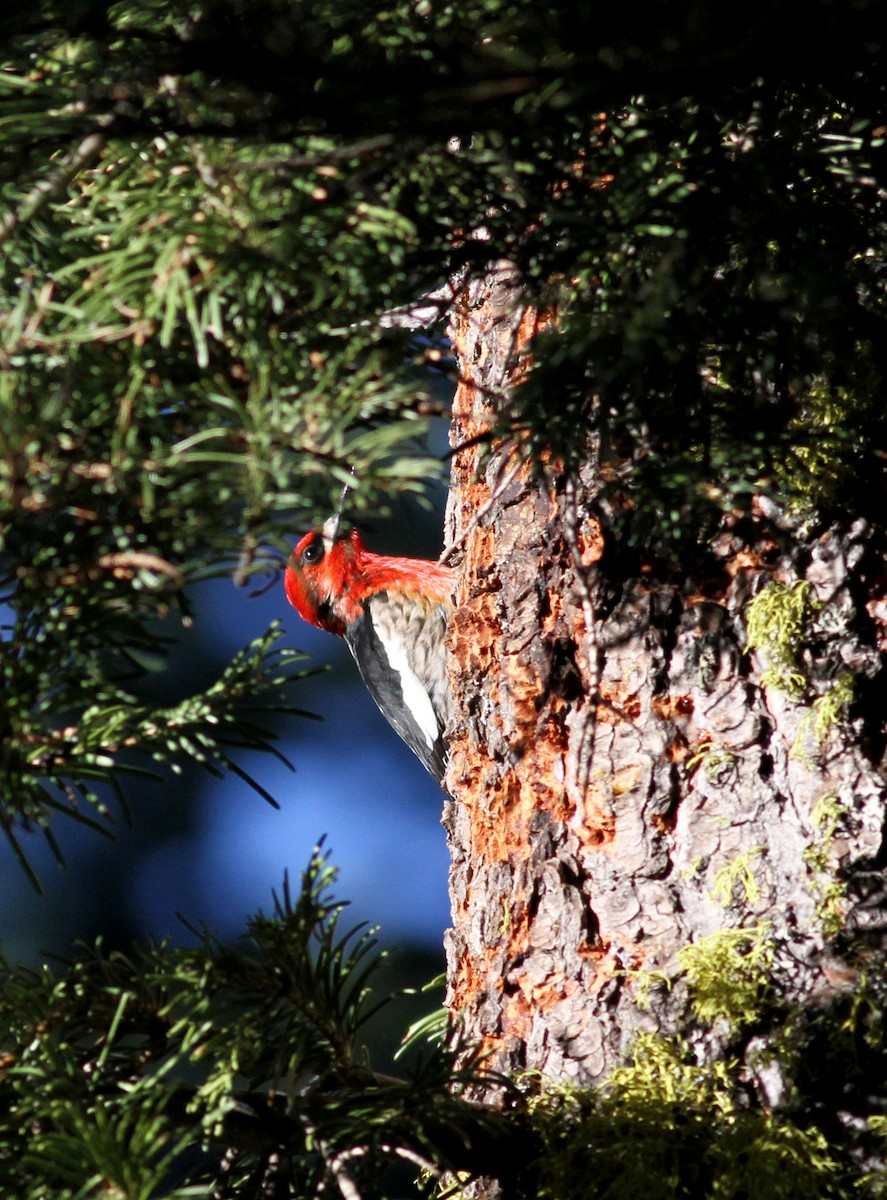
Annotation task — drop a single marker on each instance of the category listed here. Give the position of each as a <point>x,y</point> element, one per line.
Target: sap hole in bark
<point>868,708</point>
<point>511,982</point>
<point>565,679</point>
<point>589,924</point>
<point>875,867</point>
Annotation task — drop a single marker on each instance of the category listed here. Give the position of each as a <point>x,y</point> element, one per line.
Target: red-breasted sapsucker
<point>393,614</point>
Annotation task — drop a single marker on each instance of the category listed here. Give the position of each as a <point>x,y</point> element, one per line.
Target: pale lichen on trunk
<point>624,786</point>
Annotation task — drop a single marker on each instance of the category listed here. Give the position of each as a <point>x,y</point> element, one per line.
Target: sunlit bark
<point>627,777</point>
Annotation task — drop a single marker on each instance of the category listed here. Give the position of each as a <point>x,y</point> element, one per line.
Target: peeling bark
<point>624,784</point>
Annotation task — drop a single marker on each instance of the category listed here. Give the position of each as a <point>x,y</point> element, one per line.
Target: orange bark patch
<point>627,777</point>
<point>617,704</point>
<point>669,707</point>
<point>532,323</point>
<point>501,823</point>
<point>748,559</point>
<point>552,618</point>
<point>676,750</point>
<point>590,542</point>
<point>598,827</point>
<point>473,635</point>
<point>607,967</point>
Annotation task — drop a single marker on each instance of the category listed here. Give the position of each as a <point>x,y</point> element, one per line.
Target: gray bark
<point>624,783</point>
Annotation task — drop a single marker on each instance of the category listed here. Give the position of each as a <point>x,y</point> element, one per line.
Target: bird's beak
<point>331,528</point>
<point>331,525</point>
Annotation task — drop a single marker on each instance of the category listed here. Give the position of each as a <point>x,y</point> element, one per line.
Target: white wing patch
<point>414,695</point>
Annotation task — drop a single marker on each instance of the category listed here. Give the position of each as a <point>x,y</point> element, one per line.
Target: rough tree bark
<point>627,776</point>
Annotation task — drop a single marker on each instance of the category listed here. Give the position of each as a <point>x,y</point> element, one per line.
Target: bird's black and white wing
<point>398,646</point>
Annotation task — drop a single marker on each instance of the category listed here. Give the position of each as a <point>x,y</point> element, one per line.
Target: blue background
<point>213,850</point>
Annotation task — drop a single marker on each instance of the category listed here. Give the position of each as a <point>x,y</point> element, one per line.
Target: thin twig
<point>484,508</point>
<point>334,1162</point>
<point>424,1164</point>
<point>344,1182</point>
<point>589,722</point>
<point>140,560</point>
<point>368,145</point>
<point>58,179</point>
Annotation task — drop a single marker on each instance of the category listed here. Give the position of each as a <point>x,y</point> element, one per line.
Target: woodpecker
<point>393,614</point>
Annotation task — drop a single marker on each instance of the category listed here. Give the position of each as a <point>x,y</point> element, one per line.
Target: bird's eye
<point>313,552</point>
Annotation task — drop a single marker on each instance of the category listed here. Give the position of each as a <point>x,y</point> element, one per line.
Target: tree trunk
<point>668,797</point>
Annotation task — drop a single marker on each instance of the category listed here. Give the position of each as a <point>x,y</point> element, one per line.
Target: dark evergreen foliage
<point>212,213</point>
<point>218,1070</point>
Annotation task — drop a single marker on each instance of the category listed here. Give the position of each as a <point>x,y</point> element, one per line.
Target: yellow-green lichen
<point>669,1127</point>
<point>826,437</point>
<point>823,717</point>
<point>645,983</point>
<point>717,761</point>
<point>736,875</point>
<point>693,867</point>
<point>831,905</point>
<point>728,973</point>
<point>826,818</point>
<point>875,1182</point>
<point>777,620</point>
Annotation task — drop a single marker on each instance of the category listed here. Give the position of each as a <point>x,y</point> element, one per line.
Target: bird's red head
<point>321,576</point>
<point>328,578</point>
<point>393,613</point>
